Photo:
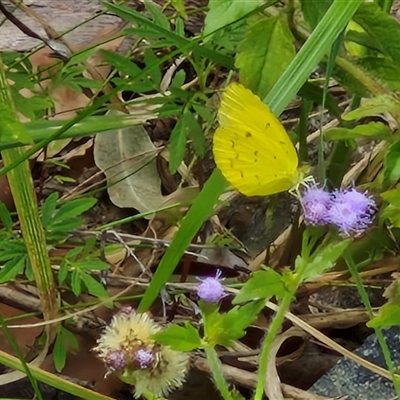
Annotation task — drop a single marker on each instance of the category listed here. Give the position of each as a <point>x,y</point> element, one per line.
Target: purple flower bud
<point>143,358</point>
<point>316,203</point>
<point>115,360</point>
<point>211,289</point>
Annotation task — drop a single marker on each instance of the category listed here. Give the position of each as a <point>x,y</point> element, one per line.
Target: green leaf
<point>179,79</point>
<point>5,217</point>
<point>48,209</point>
<point>59,353</point>
<point>392,196</point>
<point>182,43</point>
<point>120,63</point>
<point>76,282</point>
<point>13,268</point>
<point>388,315</point>
<point>92,265</point>
<point>223,329</point>
<point>265,52</point>
<point>195,133</point>
<point>177,143</point>
<point>391,164</point>
<point>391,213</point>
<point>158,17</point>
<point>63,271</point>
<point>373,130</point>
<point>155,73</point>
<point>74,208</point>
<point>311,53</point>
<point>224,12</point>
<point>64,340</point>
<point>323,258</point>
<point>375,106</point>
<point>179,6</point>
<point>94,287</point>
<point>382,27</point>
<point>62,227</point>
<point>313,11</point>
<point>262,285</point>
<point>384,69</point>
<point>80,57</point>
<point>179,338</point>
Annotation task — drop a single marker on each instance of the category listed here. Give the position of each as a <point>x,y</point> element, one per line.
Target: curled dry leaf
<point>272,385</point>
<point>127,158</point>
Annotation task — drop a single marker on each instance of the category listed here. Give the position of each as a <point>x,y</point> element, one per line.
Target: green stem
<point>216,370</point>
<point>22,189</point>
<point>378,331</point>
<point>269,338</point>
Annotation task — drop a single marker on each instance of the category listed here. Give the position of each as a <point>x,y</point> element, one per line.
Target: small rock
<point>347,378</point>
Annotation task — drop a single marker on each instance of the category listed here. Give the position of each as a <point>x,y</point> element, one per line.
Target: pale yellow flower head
<point>127,348</point>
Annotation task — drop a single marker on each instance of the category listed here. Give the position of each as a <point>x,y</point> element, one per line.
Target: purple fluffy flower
<point>211,289</point>
<point>351,211</point>
<point>316,203</point>
<point>143,358</point>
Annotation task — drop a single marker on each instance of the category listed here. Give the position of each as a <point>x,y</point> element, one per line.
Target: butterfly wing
<point>251,147</point>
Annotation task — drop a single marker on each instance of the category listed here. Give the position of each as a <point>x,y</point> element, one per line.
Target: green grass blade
<point>42,129</point>
<point>201,209</point>
<point>51,379</point>
<point>311,53</point>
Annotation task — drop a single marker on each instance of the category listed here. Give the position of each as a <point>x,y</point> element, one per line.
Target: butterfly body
<point>251,147</point>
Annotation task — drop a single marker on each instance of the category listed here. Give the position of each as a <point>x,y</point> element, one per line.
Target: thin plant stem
<point>273,330</point>
<point>216,370</point>
<point>378,331</point>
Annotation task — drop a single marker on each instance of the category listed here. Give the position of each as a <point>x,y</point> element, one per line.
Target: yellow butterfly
<point>251,147</point>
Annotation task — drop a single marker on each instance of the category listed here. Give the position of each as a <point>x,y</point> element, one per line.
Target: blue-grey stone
<point>347,378</point>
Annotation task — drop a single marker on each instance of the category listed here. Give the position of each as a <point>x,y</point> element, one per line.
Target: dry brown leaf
<point>127,157</point>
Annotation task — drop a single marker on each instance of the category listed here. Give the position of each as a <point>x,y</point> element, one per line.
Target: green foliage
<point>225,12</point>
<point>57,222</point>
<point>372,130</point>
<point>375,106</point>
<point>264,53</point>
<point>262,285</point>
<point>21,77</point>
<point>313,11</point>
<point>65,340</point>
<point>76,268</point>
<point>391,169</point>
<point>180,338</point>
<point>225,328</point>
<point>321,260</point>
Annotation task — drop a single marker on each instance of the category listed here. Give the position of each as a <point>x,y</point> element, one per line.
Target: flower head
<point>167,373</point>
<point>316,203</point>
<point>127,348</point>
<point>211,289</point>
<point>115,360</point>
<point>359,202</point>
<point>351,211</point>
<point>143,358</point>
